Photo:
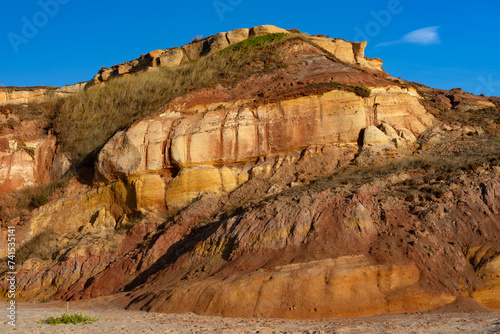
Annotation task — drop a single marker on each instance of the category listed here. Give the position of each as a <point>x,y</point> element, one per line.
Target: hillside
<point>255,173</point>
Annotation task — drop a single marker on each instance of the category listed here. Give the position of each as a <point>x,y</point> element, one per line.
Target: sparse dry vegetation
<point>41,246</point>
<point>488,118</point>
<point>84,122</point>
<point>20,203</point>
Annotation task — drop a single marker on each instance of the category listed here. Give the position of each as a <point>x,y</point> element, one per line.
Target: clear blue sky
<point>459,48</point>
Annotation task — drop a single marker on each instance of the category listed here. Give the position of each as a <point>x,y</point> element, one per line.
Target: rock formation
<point>28,157</point>
<point>347,52</point>
<point>19,95</point>
<point>174,145</point>
<point>321,188</point>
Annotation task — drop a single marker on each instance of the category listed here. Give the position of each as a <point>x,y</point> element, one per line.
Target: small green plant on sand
<point>77,318</point>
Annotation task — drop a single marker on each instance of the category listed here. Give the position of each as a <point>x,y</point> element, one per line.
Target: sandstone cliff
<point>19,95</point>
<point>347,52</point>
<point>321,187</point>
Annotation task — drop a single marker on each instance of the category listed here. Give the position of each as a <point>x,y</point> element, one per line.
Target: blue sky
<point>443,44</point>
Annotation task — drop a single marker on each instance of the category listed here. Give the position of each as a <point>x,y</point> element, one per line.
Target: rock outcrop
<point>28,156</point>
<point>195,142</point>
<point>19,95</point>
<point>347,52</point>
<point>318,188</point>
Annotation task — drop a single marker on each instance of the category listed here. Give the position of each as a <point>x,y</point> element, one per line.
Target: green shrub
<point>364,90</point>
<point>77,318</point>
<point>40,201</point>
<point>254,42</point>
<point>30,151</point>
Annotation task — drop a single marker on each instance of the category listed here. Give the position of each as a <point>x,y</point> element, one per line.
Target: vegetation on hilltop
<point>85,121</point>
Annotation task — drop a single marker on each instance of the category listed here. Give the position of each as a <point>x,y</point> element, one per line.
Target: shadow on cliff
<point>174,252</point>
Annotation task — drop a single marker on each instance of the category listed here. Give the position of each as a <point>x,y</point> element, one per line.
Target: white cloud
<point>424,36</point>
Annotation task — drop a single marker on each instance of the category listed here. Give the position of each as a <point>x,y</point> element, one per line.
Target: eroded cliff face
<point>347,52</point>
<point>295,193</point>
<point>185,152</point>
<point>20,95</point>
<point>28,155</point>
<point>283,246</point>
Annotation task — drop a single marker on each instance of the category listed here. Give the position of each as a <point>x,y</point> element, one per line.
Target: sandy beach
<point>462,319</point>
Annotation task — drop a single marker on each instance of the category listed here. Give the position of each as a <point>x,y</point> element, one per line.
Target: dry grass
<point>488,118</point>
<point>22,202</point>
<point>41,246</point>
<point>85,122</point>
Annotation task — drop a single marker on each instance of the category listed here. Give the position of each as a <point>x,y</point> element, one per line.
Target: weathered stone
<point>106,74</point>
<point>194,50</point>
<point>341,49</point>
<point>237,35</point>
<point>265,29</point>
<point>406,134</point>
<point>192,183</point>
<point>359,50</point>
<point>124,68</point>
<point>373,136</point>
<point>139,149</point>
<point>149,191</point>
<point>344,287</point>
<point>394,103</point>
<point>388,130</point>
<point>218,42</point>
<point>72,89</point>
<point>20,169</point>
<point>232,132</point>
<point>489,295</point>
<point>171,57</point>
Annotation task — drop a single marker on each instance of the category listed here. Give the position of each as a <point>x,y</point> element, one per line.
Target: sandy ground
<point>112,320</point>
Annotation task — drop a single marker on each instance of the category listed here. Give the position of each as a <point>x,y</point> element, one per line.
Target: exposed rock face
<point>34,95</point>
<point>27,157</point>
<point>348,52</point>
<point>232,134</point>
<point>271,197</point>
<point>341,287</point>
<point>22,164</point>
<point>321,253</point>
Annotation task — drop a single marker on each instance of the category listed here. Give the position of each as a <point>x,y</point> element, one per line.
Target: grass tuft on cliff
<point>85,121</point>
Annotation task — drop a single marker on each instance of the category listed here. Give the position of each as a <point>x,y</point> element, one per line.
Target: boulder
<point>171,57</point>
<point>237,35</point>
<point>218,42</point>
<point>124,68</point>
<point>406,134</point>
<point>373,136</point>
<point>265,29</point>
<point>194,50</point>
<point>106,74</point>
<point>388,130</point>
